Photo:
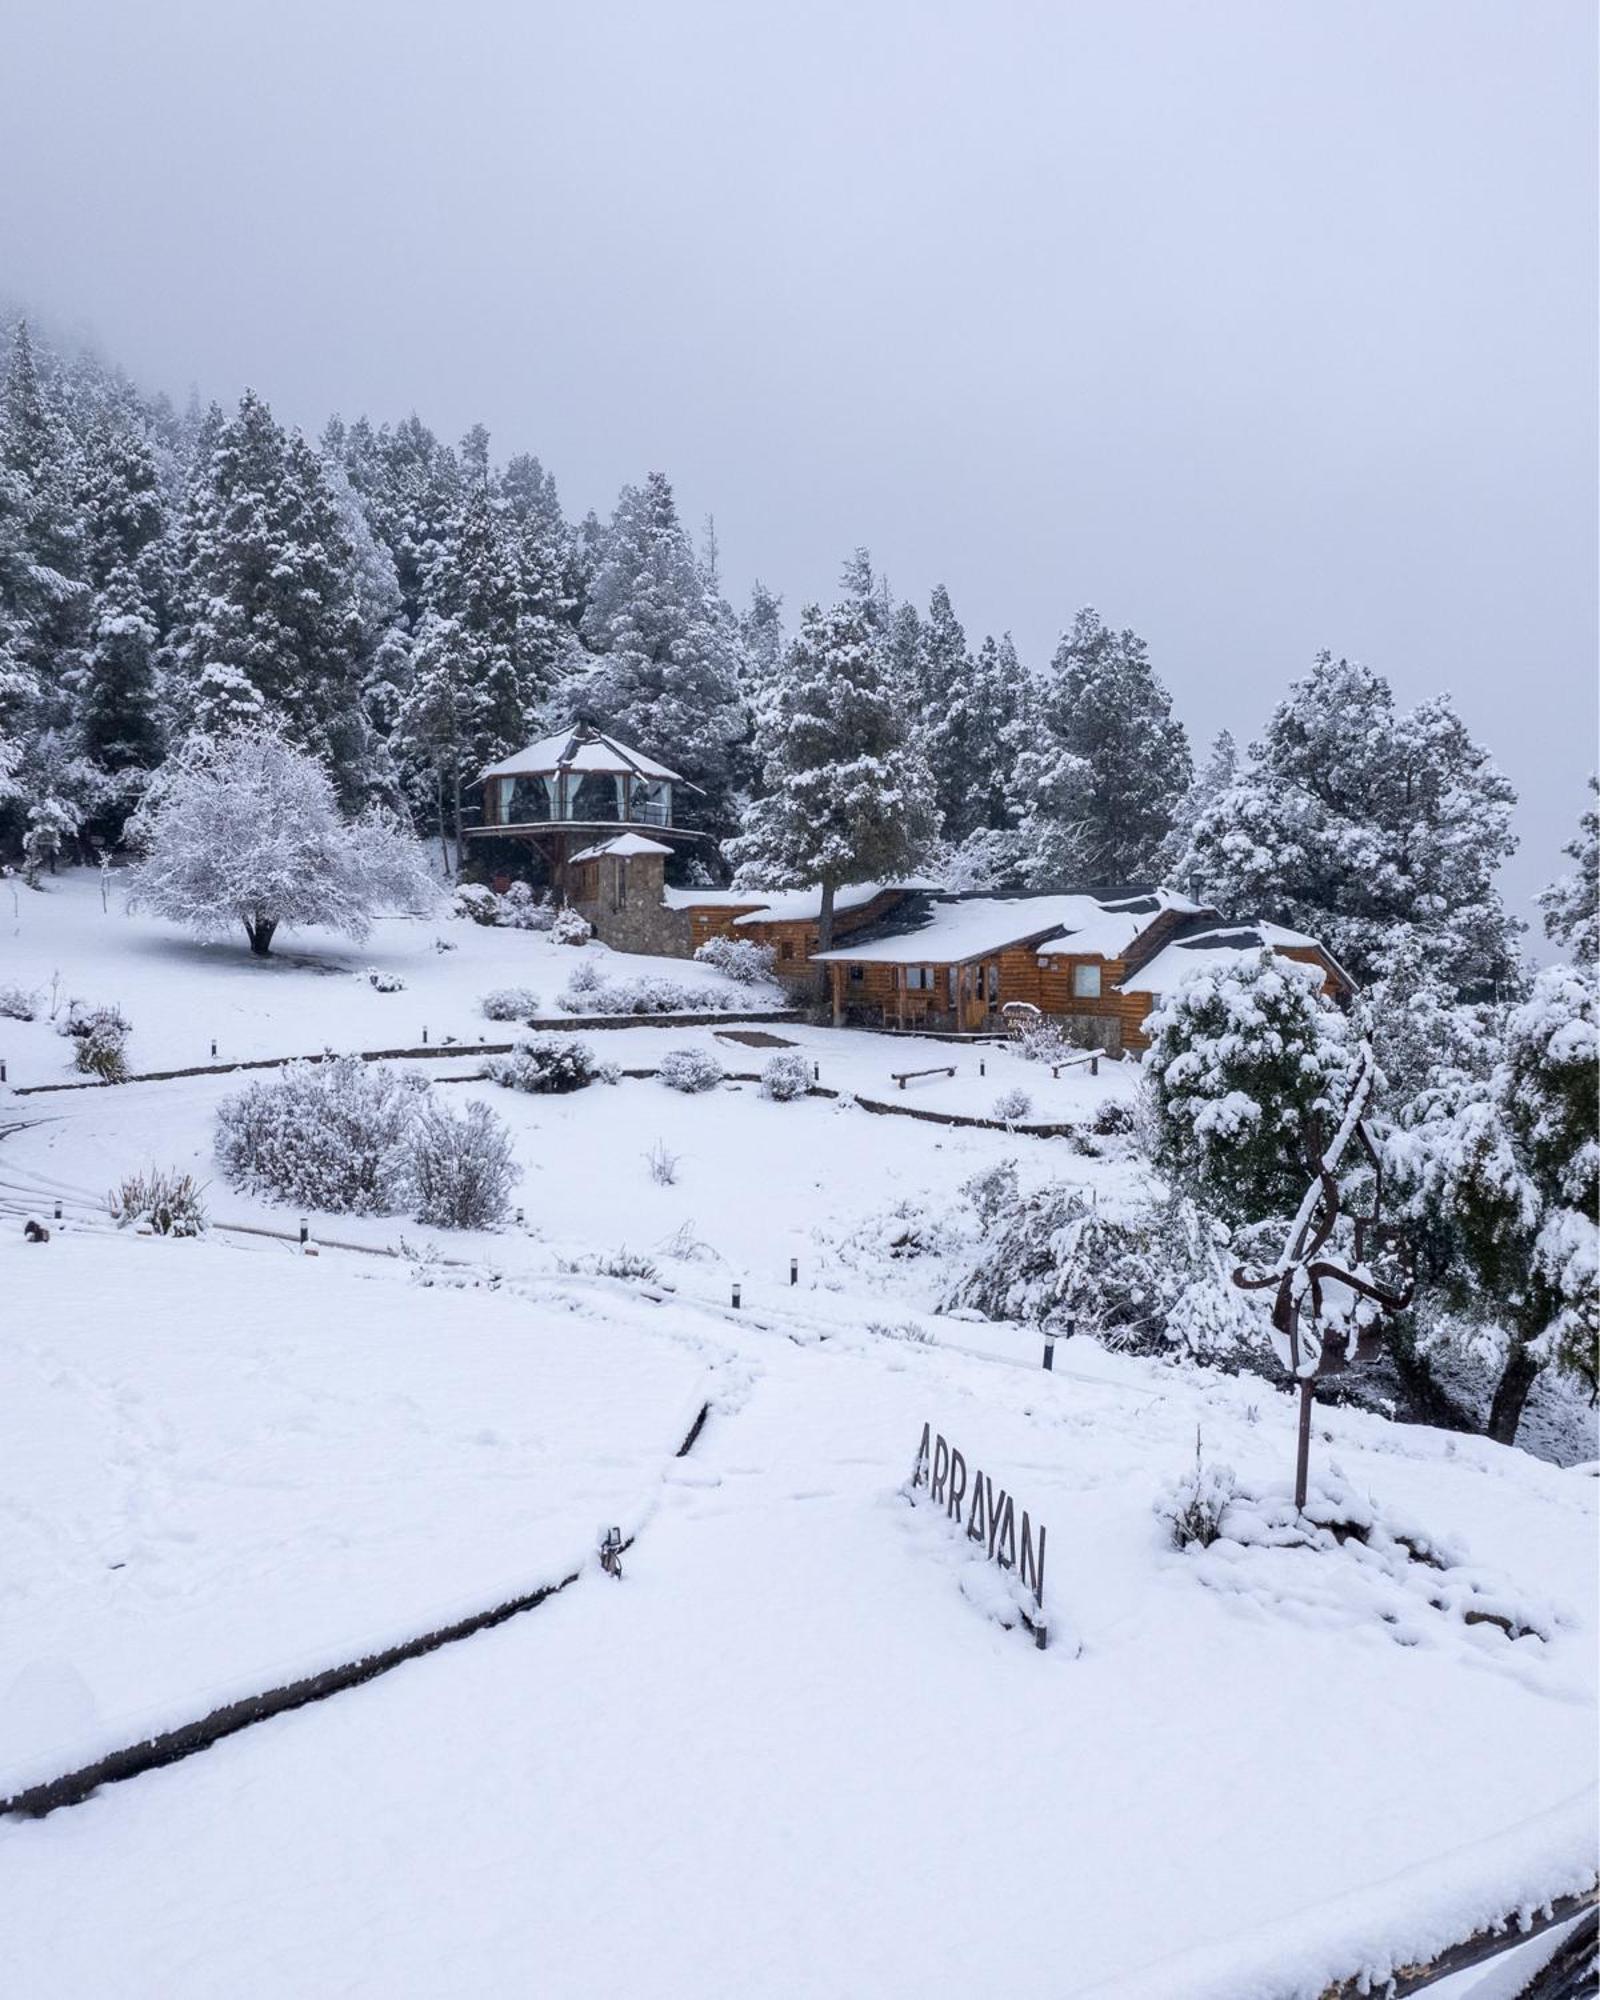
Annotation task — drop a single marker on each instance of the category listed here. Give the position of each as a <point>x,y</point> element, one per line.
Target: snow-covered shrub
<point>1012,1105</point>
<point>567,927</point>
<point>162,1200</point>
<point>663,1164</point>
<point>332,1135</point>
<point>1193,1506</point>
<point>739,959</point>
<point>623,1263</point>
<point>1044,1042</point>
<point>81,1020</point>
<point>691,1070</point>
<point>384,982</point>
<point>17,1004</point>
<point>785,1076</point>
<point>102,1048</point>
<point>479,905</point>
<point>522,910</point>
<point>901,1233</point>
<point>510,1003</point>
<point>1247,1062</point>
<point>245,829</point>
<point>461,1167</point>
<point>588,991</point>
<point>992,1192</point>
<point>548,1064</point>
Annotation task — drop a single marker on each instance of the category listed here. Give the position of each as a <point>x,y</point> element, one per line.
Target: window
<point>786,949</point>
<point>1086,982</point>
<point>919,978</point>
<point>857,974</point>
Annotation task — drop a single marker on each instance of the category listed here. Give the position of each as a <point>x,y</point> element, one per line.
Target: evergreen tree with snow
<point>246,830</point>
<point>973,733</point>
<point>1247,1074</point>
<point>1367,826</point>
<point>1218,774</point>
<point>1499,1177</point>
<point>1109,766</point>
<point>118,714</point>
<point>847,796</point>
<point>1571,904</point>
<point>268,593</point>
<point>666,678</point>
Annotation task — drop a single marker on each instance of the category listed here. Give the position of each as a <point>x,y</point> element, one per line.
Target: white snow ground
<point>789,1754</point>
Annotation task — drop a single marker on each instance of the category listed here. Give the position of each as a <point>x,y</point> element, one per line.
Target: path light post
<point>1050,1348</point>
<point>736,1294</point>
<point>794,1270</point>
<point>1301,1277</point>
<point>305,1230</point>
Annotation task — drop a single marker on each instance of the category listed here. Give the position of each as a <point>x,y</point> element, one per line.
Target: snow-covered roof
<point>800,906</point>
<point>973,926</point>
<point>624,844</point>
<point>957,931</point>
<point>579,747</point>
<point>1105,926</point>
<point>1224,944</point>
<point>713,899</point>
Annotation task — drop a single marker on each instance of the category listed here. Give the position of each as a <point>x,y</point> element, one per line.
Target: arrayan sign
<point>990,1516</point>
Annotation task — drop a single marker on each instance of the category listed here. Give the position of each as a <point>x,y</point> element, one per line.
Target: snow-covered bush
<point>102,1048</point>
<point>1247,1066</point>
<point>510,1003</point>
<point>548,1064</point>
<point>663,1164</point>
<point>1193,1506</point>
<point>1114,1119</point>
<point>623,1263</point>
<point>522,910</point>
<point>245,829</point>
<point>739,959</point>
<point>17,1004</point>
<point>900,1233</point>
<point>81,1020</point>
<point>384,982</point>
<point>588,991</point>
<point>332,1135</point>
<point>992,1192</point>
<point>1152,1280</point>
<point>785,1076</point>
<point>1012,1105</point>
<point>479,905</point>
<point>691,1070</point>
<point>461,1167</point>
<point>568,927</point>
<point>161,1200</point>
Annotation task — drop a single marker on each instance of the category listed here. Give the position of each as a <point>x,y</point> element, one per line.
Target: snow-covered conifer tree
<point>1109,764</point>
<point>1499,1176</point>
<point>246,829</point>
<point>847,796</point>
<point>1571,904</point>
<point>667,676</point>
<point>1248,1066</point>
<point>1366,826</point>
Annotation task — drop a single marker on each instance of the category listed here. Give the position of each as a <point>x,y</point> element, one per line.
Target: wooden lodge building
<point>905,955</point>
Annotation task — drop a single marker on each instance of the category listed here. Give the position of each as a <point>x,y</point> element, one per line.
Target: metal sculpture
<point>1304,1282</point>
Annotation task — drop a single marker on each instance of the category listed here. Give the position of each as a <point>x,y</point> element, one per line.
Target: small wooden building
<point>1100,959</point>
<point>570,789</point>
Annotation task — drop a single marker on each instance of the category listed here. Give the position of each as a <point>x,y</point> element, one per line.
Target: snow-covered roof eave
<point>574,749</point>
<point>624,844</point>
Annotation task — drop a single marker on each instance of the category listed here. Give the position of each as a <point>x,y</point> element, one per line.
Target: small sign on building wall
<point>986,1516</point>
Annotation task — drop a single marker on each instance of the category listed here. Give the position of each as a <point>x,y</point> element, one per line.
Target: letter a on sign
<point>919,1472</point>
<point>975,1523</point>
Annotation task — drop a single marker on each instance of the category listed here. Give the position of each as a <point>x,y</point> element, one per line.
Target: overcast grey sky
<point>1262,327</point>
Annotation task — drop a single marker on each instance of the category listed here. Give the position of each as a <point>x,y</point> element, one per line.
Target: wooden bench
<point>1074,1062</point>
<point>902,1076</point>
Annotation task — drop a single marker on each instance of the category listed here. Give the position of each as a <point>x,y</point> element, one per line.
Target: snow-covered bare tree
<point>1366,826</point>
<point>1571,904</point>
<point>246,829</point>
<point>847,797</point>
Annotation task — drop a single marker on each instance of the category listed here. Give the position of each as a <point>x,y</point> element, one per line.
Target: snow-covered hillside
<point>792,1751</point>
